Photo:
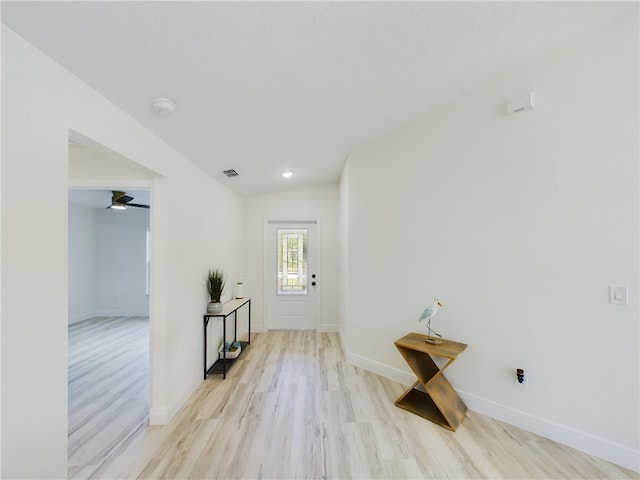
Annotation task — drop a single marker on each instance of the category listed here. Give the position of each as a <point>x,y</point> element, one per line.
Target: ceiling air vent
<point>230,173</point>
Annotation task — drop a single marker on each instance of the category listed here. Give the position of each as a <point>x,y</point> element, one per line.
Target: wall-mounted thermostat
<point>520,103</point>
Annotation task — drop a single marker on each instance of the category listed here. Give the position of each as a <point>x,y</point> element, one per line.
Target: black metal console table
<point>221,365</point>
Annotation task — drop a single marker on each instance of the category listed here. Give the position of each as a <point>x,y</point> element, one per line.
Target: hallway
<point>292,407</point>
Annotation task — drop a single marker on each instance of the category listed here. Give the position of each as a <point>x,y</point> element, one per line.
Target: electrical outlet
<point>521,374</point>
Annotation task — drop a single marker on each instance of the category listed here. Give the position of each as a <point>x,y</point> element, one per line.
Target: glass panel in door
<point>292,261</point>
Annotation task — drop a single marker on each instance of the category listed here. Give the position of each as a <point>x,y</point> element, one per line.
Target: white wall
<point>345,221</point>
<point>121,265</point>
<point>519,224</point>
<point>42,104</point>
<point>83,259</point>
<point>107,262</point>
<point>92,161</point>
<point>119,238</point>
<point>314,203</point>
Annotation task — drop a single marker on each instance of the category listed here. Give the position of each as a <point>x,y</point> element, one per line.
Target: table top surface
<point>229,307</point>
<point>418,342</point>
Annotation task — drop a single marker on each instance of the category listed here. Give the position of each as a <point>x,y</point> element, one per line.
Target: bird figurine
<point>427,315</point>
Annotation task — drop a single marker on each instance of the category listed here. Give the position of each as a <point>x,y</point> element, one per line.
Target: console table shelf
<point>431,396</point>
<point>222,365</point>
<point>219,367</point>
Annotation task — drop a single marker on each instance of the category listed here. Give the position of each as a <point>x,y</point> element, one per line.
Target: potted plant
<point>215,287</point>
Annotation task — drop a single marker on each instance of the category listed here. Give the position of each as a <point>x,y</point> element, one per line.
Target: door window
<point>292,261</point>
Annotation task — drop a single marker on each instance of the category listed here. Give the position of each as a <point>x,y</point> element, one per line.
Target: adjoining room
<point>108,323</point>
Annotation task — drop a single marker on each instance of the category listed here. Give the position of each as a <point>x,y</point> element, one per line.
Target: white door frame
<point>159,411</point>
<point>266,264</point>
<point>157,262</point>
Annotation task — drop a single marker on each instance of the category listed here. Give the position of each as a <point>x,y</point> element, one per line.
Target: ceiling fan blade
<point>124,199</point>
<point>118,196</point>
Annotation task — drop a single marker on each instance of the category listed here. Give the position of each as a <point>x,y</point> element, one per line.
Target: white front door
<point>291,276</point>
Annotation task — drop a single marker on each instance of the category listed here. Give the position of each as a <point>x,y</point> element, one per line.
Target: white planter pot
<point>214,307</point>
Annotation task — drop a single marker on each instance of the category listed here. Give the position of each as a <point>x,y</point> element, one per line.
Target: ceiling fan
<point>120,201</point>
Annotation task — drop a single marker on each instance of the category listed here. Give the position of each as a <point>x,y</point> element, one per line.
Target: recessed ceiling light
<point>287,174</point>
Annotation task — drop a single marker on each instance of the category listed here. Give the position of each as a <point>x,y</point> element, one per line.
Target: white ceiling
<point>266,86</point>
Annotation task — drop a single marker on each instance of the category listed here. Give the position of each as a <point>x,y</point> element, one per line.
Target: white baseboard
<point>325,327</point>
<point>328,327</point>
<point>79,317</point>
<point>125,312</point>
<point>258,328</point>
<point>159,416</point>
<point>387,371</point>
<point>163,415</point>
<point>582,441</point>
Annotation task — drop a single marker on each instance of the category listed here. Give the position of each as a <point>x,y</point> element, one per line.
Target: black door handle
<point>313,283</point>
<point>313,276</point>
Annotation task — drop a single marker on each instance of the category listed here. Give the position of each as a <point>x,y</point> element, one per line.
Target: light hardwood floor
<point>108,389</point>
<point>292,407</point>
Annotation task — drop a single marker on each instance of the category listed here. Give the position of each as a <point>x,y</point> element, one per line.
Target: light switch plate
<point>619,294</point>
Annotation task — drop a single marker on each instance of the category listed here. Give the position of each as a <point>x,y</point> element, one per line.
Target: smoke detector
<point>163,106</point>
<point>520,103</point>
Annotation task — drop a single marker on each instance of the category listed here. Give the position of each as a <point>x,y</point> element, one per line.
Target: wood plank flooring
<point>108,389</point>
<point>291,407</point>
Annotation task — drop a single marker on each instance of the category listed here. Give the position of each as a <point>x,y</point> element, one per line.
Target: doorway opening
<point>108,349</point>
<point>111,293</point>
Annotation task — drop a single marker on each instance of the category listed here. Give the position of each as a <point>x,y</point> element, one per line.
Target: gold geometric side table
<point>431,396</point>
